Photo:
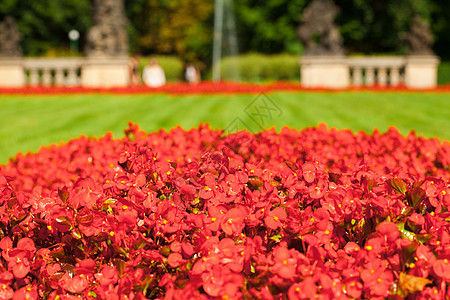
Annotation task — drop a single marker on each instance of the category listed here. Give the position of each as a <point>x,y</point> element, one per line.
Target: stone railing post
<point>105,72</point>
<point>394,76</point>
<point>357,78</point>
<point>382,76</point>
<point>421,71</point>
<point>370,76</point>
<point>34,76</point>
<point>59,76</point>
<point>325,72</point>
<point>46,77</point>
<point>12,73</point>
<point>72,78</point>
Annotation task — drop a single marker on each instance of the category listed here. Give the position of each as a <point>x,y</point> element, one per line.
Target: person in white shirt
<point>192,74</point>
<point>153,74</point>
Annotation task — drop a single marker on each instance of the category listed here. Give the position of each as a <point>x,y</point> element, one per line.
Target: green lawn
<point>27,122</point>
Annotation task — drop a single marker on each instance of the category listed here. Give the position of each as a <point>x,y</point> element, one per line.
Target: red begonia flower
<point>26,292</point>
<point>275,218</point>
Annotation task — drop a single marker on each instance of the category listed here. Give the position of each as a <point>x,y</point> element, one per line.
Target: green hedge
<point>444,73</point>
<point>173,66</point>
<point>259,67</point>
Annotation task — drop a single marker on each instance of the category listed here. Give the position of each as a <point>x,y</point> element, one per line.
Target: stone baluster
<point>370,76</point>
<point>395,76</point>
<point>46,77</point>
<point>59,76</point>
<point>382,76</point>
<point>72,77</point>
<point>357,76</point>
<point>34,76</point>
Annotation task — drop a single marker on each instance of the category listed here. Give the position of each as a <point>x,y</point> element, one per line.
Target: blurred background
<point>181,31</point>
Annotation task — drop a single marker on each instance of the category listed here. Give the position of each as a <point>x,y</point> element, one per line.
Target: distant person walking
<point>153,74</point>
<point>192,74</point>
<point>133,67</point>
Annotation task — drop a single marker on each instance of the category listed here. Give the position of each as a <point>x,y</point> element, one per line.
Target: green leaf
<point>76,233</point>
<point>119,250</point>
<point>120,266</point>
<point>62,220</point>
<point>275,237</point>
<point>397,184</point>
<point>139,244</point>
<point>85,218</point>
<point>58,252</point>
<point>406,234</point>
<point>63,194</point>
<point>415,196</point>
<point>164,251</point>
<point>189,265</point>
<point>110,201</point>
<point>423,238</point>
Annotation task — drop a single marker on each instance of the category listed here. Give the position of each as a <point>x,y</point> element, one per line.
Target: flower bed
<point>205,87</point>
<point>320,213</point>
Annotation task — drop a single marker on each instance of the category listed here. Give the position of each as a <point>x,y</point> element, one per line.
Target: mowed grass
<point>28,122</point>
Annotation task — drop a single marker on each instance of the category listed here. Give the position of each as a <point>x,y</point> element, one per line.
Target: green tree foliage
<point>269,26</point>
<point>440,25</point>
<point>177,27</point>
<point>45,24</point>
<point>377,26</point>
<point>185,27</point>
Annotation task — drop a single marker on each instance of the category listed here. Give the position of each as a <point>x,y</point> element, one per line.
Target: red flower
<point>417,219</point>
<point>26,292</point>
<point>275,218</point>
<point>187,250</point>
<point>222,282</point>
<point>6,244</point>
<point>309,172</point>
<point>87,192</point>
<point>175,260</point>
<point>19,264</point>
<point>377,280</point>
<point>318,190</point>
<point>6,292</point>
<point>233,222</point>
<point>284,265</point>
<point>108,275</point>
<point>441,268</point>
<point>389,231</point>
<point>353,287</point>
<point>307,289</point>
<point>76,284</point>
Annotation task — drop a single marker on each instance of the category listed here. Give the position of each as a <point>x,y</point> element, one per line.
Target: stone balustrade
<point>72,71</point>
<point>417,72</point>
<point>52,71</point>
<point>381,71</point>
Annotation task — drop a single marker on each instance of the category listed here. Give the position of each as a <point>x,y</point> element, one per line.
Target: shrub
<point>256,67</point>
<point>444,73</point>
<point>283,67</point>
